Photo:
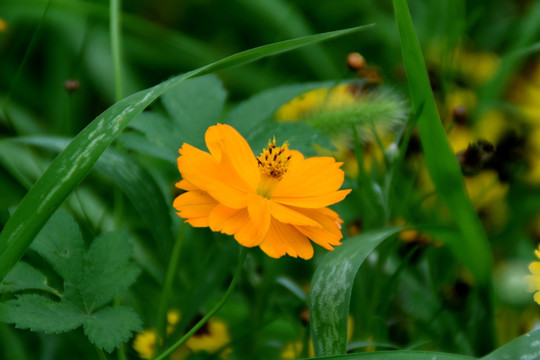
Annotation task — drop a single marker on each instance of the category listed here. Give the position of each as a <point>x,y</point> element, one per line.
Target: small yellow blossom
<point>276,201</point>
<point>213,336</point>
<point>145,343</point>
<point>534,279</point>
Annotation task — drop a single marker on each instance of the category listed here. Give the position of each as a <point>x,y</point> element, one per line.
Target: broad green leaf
<point>398,355</point>
<point>249,114</point>
<point>91,279</point>
<point>60,243</point>
<point>111,326</point>
<point>194,105</point>
<point>25,277</point>
<point>74,163</point>
<point>39,313</point>
<point>331,287</point>
<point>474,250</point>
<point>108,269</point>
<point>155,136</point>
<point>525,347</point>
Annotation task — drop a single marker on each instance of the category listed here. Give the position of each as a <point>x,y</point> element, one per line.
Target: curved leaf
<point>331,288</point>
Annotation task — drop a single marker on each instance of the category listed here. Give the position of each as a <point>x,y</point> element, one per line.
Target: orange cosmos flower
<point>275,201</point>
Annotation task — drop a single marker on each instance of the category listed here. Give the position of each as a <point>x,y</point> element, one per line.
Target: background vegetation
<point>115,259</point>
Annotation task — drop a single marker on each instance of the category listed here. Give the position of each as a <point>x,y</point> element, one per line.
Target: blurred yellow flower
<point>534,279</point>
<point>275,201</point>
<point>213,336</point>
<point>145,343</point>
<point>315,101</point>
<point>3,25</point>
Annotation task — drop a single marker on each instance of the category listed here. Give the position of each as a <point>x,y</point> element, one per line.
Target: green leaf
<point>60,243</point>
<point>300,136</point>
<point>74,163</point>
<point>249,114</point>
<point>91,279</point>
<point>155,136</point>
<point>525,347</point>
<point>194,105</point>
<point>111,326</point>
<point>108,269</point>
<point>25,277</point>
<point>331,287</point>
<point>39,313</point>
<point>473,249</point>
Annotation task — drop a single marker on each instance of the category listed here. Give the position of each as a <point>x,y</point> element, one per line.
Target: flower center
<point>273,163</point>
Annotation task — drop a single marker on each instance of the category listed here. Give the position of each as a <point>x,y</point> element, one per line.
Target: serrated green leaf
<point>60,243</point>
<point>194,105</point>
<point>25,277</point>
<point>111,327</point>
<point>74,163</point>
<point>155,136</point>
<point>39,313</point>
<point>331,287</point>
<point>108,269</point>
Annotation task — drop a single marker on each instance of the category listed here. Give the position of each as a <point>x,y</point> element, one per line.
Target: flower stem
<point>165,294</point>
<point>115,20</point>
<point>211,313</point>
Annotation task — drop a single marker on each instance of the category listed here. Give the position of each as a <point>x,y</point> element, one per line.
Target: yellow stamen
<point>273,163</point>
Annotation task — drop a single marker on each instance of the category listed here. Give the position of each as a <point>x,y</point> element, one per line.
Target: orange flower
<point>275,201</point>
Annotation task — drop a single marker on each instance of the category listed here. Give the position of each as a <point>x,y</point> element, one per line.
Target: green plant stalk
<point>472,247</point>
<point>215,309</point>
<point>101,354</point>
<point>116,46</point>
<point>169,277</point>
<point>77,159</point>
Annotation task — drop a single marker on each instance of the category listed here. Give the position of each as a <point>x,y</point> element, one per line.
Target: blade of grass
<point>441,162</point>
<point>472,248</point>
<point>74,163</point>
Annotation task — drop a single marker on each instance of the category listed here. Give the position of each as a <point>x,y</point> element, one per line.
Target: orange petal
<point>285,239</point>
<point>313,202</point>
<point>195,206</point>
<point>184,185</point>
<point>287,215</point>
<point>259,212</point>
<point>328,234</point>
<point>310,177</point>
<point>229,147</point>
<point>201,170</point>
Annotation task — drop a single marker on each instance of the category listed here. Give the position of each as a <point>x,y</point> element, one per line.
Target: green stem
<point>115,20</point>
<point>215,309</point>
<point>101,354</point>
<point>169,277</point>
